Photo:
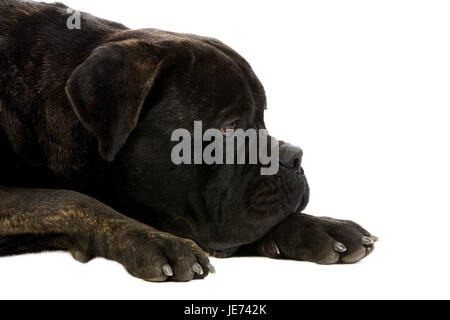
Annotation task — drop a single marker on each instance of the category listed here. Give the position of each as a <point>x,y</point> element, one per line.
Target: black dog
<point>86,117</point>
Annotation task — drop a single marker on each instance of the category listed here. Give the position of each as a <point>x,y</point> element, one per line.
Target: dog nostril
<point>290,156</point>
<point>296,164</point>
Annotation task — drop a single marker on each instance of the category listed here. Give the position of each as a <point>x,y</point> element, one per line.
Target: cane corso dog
<point>86,116</point>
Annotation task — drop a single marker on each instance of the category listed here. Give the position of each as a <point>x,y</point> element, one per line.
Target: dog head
<point>133,92</point>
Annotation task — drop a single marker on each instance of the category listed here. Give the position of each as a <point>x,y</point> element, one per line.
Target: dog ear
<point>108,90</point>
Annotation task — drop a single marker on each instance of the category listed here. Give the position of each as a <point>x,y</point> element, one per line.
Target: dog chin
<point>225,253</point>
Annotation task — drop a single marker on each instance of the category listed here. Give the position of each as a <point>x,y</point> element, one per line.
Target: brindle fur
<point>64,121</point>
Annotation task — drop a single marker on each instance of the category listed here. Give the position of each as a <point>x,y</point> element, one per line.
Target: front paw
<point>318,239</point>
<point>150,255</point>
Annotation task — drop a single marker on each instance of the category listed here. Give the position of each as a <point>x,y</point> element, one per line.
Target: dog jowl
<point>86,122</point>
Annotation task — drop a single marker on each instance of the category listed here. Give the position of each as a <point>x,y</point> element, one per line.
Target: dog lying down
<point>88,118</point>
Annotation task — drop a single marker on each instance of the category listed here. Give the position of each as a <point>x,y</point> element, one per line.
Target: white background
<point>363,88</point>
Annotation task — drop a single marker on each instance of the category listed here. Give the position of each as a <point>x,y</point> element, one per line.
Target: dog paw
<point>317,239</point>
<point>164,257</point>
<point>152,255</point>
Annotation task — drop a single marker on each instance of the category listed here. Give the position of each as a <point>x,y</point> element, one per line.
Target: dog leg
<point>316,239</point>
<point>41,220</point>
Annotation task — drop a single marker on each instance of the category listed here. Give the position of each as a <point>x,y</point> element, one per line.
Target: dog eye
<point>231,126</point>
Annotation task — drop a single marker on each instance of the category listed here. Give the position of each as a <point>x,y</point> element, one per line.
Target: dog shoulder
<point>52,25</point>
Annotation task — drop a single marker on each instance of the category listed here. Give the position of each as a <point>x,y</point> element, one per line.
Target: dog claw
<point>367,240</point>
<point>275,248</point>
<point>197,269</point>
<point>374,238</point>
<point>167,270</point>
<point>211,268</point>
<point>339,247</point>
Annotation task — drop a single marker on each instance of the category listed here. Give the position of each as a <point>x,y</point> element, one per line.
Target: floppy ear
<point>107,91</point>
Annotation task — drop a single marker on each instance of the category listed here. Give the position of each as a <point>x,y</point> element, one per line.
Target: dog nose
<point>290,156</point>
